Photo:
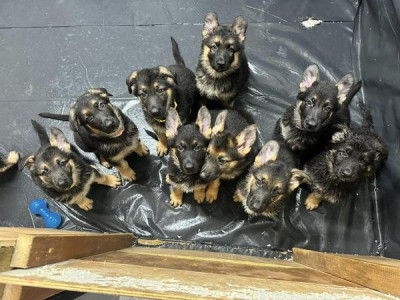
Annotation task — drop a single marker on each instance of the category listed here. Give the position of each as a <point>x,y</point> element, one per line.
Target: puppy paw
<point>128,175</point>
<point>143,150</point>
<point>162,149</point>
<point>13,158</point>
<point>311,206</point>
<point>236,197</point>
<point>106,164</point>
<point>199,195</point>
<point>176,200</point>
<point>211,195</point>
<point>86,204</point>
<point>113,181</point>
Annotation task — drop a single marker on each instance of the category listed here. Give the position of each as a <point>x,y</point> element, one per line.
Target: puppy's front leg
<point>141,149</point>
<point>162,145</point>
<point>103,161</point>
<point>199,194</point>
<point>313,200</point>
<point>109,180</point>
<point>83,202</point>
<point>11,160</point>
<point>212,190</point>
<point>176,197</point>
<point>125,170</point>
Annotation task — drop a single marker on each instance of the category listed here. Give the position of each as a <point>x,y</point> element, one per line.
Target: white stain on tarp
<point>310,23</point>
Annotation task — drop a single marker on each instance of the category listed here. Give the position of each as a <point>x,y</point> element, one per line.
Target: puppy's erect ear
<point>219,125</point>
<point>268,153</point>
<point>167,75</point>
<point>310,75</point>
<point>131,82</point>
<point>28,161</point>
<point>344,85</point>
<point>239,26</point>
<point>340,135</point>
<point>58,139</point>
<point>203,122</point>
<point>210,24</point>
<point>74,121</point>
<point>172,124</point>
<point>41,132</point>
<point>102,92</point>
<point>245,139</point>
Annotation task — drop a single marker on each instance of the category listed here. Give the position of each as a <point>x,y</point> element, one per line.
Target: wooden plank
<point>218,263</point>
<point>159,283</point>
<point>382,277</point>
<point>36,250</point>
<point>5,260</point>
<point>17,292</point>
<point>41,231</point>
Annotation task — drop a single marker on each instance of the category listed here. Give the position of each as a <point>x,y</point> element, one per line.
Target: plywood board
<point>375,273</point>
<point>17,292</point>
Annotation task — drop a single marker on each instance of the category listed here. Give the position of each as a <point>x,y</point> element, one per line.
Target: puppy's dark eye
<point>62,163</point>
<point>327,109</point>
<point>45,171</point>
<point>160,91</point>
<point>259,182</point>
<point>89,118</point>
<point>143,95</point>
<point>362,161</point>
<point>101,105</point>
<point>197,148</point>
<point>214,47</point>
<point>309,103</point>
<point>230,50</point>
<point>275,192</point>
<point>181,148</point>
<point>208,154</point>
<point>343,153</point>
<point>221,160</point>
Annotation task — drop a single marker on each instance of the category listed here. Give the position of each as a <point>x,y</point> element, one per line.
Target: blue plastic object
<point>39,207</point>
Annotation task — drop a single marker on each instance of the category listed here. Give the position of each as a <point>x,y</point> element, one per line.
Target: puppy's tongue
<point>298,126</point>
<point>119,133</point>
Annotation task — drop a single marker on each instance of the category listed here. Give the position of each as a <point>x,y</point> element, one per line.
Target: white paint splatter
<point>310,23</point>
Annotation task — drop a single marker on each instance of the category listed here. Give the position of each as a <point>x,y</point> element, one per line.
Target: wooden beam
<point>36,250</point>
<point>18,292</point>
<point>381,274</point>
<point>161,283</point>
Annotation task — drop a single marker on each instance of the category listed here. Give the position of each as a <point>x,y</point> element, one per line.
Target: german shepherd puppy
<point>61,171</point>
<point>188,144</point>
<point>161,88</point>
<point>335,173</point>
<point>222,71</point>
<point>11,160</point>
<point>102,128</point>
<point>230,150</point>
<point>320,105</point>
<point>268,183</point>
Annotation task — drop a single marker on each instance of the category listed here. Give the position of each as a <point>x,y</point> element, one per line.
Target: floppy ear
<point>210,24</point>
<point>102,92</point>
<point>245,139</point>
<point>203,122</point>
<point>28,161</point>
<point>268,153</point>
<point>341,135</point>
<point>310,75</point>
<point>172,124</point>
<point>131,82</point>
<point>58,139</point>
<point>239,26</point>
<point>344,85</point>
<point>220,122</point>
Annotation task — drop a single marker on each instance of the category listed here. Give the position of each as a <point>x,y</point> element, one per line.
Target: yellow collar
<point>163,121</point>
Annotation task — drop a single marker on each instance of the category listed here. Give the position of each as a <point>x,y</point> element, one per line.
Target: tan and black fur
<point>320,106</point>
<point>102,128</point>
<point>188,144</point>
<point>61,171</point>
<point>337,172</point>
<point>230,151</point>
<point>10,161</point>
<point>161,88</point>
<point>222,71</point>
<point>268,183</point>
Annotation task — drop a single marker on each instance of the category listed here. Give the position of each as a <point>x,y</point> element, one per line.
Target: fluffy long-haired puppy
<point>269,181</point>
<point>61,171</point>
<point>159,89</point>
<point>222,71</point>
<point>10,161</point>
<point>231,149</point>
<point>101,127</point>
<point>188,144</point>
<point>354,154</point>
<point>319,107</point>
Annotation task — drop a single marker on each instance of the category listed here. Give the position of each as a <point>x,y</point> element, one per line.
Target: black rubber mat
<point>53,51</point>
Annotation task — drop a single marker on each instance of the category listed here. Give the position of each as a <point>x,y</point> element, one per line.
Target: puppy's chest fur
<point>182,181</point>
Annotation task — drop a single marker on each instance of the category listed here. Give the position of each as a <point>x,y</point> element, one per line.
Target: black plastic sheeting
<point>53,51</point>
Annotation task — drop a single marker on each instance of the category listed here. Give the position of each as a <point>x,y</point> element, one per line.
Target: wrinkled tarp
<point>52,52</point>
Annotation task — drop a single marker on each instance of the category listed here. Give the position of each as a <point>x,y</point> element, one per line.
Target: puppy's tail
<point>41,132</point>
<point>177,54</point>
<point>366,115</point>
<point>54,116</point>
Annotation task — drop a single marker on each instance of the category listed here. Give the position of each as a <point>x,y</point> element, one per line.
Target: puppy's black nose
<point>220,62</point>
<point>189,166</point>
<point>346,172</point>
<point>203,175</point>
<point>255,205</point>
<point>154,111</point>
<point>62,182</point>
<point>109,123</point>
<point>311,124</point>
